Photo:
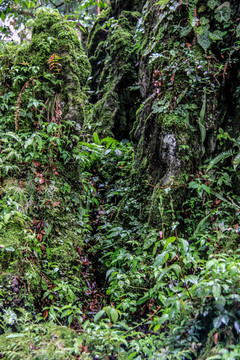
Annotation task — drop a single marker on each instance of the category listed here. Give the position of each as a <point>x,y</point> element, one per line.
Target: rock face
<point>164,76</point>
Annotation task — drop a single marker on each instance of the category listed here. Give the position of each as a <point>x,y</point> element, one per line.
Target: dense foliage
<point>97,261</point>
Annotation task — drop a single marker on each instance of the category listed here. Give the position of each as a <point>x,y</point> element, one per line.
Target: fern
<point>236,161</point>
<point>11,134</point>
<point>9,168</point>
<point>220,157</point>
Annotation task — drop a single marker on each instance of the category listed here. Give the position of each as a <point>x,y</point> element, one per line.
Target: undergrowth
<point>96,262</point>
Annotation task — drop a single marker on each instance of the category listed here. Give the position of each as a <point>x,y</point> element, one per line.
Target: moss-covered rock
<point>113,60</point>
<point>55,57</point>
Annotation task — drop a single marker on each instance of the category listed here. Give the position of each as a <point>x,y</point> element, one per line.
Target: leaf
<point>223,12</point>
<point>212,4</point>
<point>161,258</point>
<point>45,313</point>
<point>206,188</point>
<point>132,355</point>
<point>221,319</point>
<point>220,157</point>
<point>40,142</point>
<point>11,134</point>
<point>185,245</point>
<point>193,185</point>
<point>114,315</point>
<point>185,31</point>
<point>215,338</point>
<point>70,319</point>
<point>204,40</point>
<point>216,35</point>
<point>238,31</point>
<point>168,241</point>
<point>211,263</point>
<point>96,138</point>
<point>99,315</point>
<point>217,322</point>
<point>216,290</point>
<point>118,152</point>
<point>11,336</point>
<point>236,161</point>
<point>29,142</point>
<point>237,326</point>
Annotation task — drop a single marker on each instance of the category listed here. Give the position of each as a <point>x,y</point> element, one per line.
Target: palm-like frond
<point>224,155</point>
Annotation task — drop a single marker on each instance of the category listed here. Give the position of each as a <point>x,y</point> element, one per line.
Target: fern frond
<point>11,134</point>
<point>9,168</point>
<point>236,161</point>
<point>220,157</point>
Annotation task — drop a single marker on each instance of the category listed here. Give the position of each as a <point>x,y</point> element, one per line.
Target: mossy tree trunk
<point>164,77</point>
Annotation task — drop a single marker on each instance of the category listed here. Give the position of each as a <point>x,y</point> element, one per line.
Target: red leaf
<point>56,203</point>
<point>45,313</point>
<point>39,237</point>
<point>215,338</point>
<point>173,77</point>
<point>36,164</point>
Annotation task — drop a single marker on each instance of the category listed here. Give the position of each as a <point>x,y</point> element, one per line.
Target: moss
<point>51,34</point>
<point>99,32</point>
<point>111,53</point>
<point>39,341</point>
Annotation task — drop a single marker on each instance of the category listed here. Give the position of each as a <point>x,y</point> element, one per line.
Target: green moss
<point>99,32</point>
<point>111,49</point>
<point>51,35</point>
<point>38,341</point>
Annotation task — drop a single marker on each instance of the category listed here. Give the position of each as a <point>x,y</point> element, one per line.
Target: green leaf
<point>162,3</point>
<point>99,315</point>
<point>161,258</point>
<point>237,326</point>
<point>185,245</point>
<point>238,31</point>
<point>217,322</point>
<point>11,336</point>
<point>96,138</point>
<point>71,294</point>
<point>217,159</point>
<point>186,30</point>
<point>114,315</point>
<point>212,4</point>
<point>29,142</point>
<point>236,161</point>
<point>70,319</point>
<point>211,263</point>
<point>204,40</point>
<point>216,290</point>
<point>221,319</point>
<point>223,12</point>
<point>168,241</point>
<point>216,35</point>
<point>7,217</point>
<point>66,313</point>
<point>118,152</point>
<point>40,142</point>
<point>193,185</point>
<point>132,355</point>
<point>206,188</point>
